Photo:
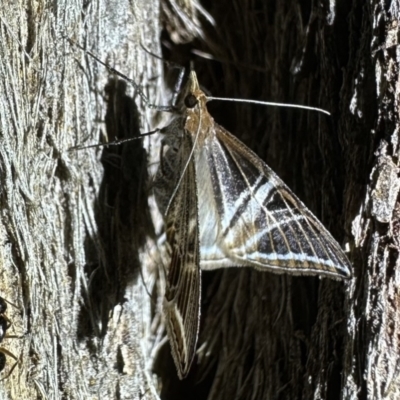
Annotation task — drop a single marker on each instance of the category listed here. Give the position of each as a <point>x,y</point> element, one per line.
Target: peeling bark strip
<point>70,230</point>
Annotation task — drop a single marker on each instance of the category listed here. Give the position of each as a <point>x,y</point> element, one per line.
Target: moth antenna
<point>269,103</point>
<point>123,76</point>
<point>115,142</point>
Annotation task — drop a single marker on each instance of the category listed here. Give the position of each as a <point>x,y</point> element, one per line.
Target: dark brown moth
<point>224,207</point>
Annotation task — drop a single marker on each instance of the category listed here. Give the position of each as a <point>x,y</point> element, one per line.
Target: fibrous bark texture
<point>70,238</point>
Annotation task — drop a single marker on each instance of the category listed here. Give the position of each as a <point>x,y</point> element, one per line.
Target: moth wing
<point>261,223</point>
<point>182,297</point>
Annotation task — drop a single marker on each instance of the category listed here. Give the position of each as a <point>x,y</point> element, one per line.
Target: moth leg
<point>162,157</point>
<point>3,353</point>
<point>5,323</point>
<point>178,86</point>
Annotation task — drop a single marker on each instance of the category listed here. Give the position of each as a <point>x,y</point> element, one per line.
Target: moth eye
<point>190,100</point>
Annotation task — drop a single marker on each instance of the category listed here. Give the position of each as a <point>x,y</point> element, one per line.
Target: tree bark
<point>69,226</point>
<point>84,263</point>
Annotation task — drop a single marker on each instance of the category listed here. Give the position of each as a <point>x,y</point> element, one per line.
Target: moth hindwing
<point>224,207</point>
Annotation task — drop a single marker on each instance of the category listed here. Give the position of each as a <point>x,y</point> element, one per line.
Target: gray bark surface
<point>83,261</point>
<point>69,250</point>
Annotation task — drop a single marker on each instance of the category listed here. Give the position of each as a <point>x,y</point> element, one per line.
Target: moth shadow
<point>122,214</point>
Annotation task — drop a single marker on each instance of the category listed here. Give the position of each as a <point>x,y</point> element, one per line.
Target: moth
<point>224,207</point>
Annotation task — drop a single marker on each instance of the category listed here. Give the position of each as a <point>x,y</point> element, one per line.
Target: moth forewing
<point>224,207</point>
<point>182,297</point>
<point>261,222</point>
